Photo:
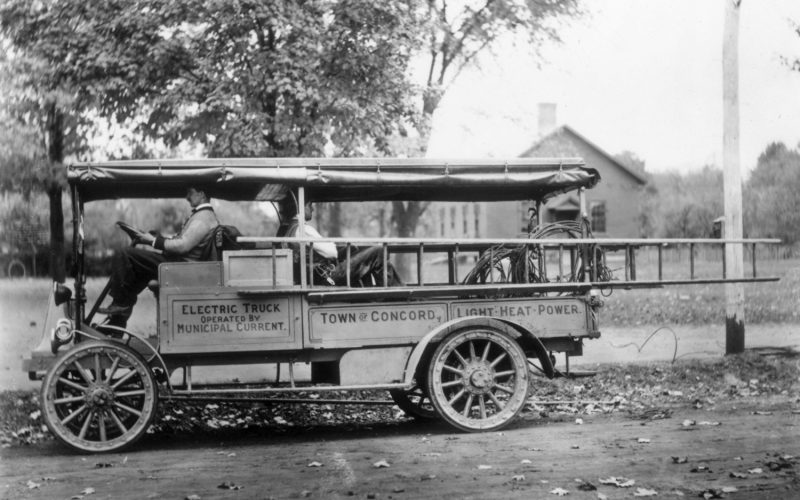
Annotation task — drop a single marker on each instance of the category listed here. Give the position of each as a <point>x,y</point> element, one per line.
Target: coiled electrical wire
<point>507,264</point>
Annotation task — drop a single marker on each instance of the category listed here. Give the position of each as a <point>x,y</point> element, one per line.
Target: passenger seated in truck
<point>330,268</point>
<point>136,265</point>
<point>325,252</point>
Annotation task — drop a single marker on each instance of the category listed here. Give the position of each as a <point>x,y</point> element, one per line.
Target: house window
<point>465,219</point>
<point>477,220</point>
<point>599,216</point>
<point>441,221</point>
<point>452,220</point>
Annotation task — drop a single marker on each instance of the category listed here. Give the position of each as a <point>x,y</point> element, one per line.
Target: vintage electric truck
<point>464,349</point>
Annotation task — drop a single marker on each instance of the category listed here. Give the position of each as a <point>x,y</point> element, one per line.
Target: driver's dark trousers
<point>132,269</point>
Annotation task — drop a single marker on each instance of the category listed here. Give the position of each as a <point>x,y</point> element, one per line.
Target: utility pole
<point>734,252</point>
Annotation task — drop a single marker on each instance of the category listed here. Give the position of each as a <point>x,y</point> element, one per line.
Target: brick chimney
<point>547,118</point>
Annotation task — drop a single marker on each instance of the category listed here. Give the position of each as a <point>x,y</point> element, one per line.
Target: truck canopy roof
<point>334,179</point>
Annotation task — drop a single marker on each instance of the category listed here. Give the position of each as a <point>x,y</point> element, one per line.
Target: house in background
<point>613,205</point>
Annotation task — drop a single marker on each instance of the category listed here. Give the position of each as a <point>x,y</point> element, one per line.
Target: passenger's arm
<point>326,249</point>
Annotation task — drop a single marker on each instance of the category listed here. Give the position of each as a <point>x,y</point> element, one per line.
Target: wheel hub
<point>479,378</point>
<point>99,396</point>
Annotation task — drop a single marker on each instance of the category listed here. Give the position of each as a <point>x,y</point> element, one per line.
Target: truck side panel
<point>220,320</point>
<point>393,323</point>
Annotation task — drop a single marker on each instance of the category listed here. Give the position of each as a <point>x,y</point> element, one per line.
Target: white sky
<point>638,75</point>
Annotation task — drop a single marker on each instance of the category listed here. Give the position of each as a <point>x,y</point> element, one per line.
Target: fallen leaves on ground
<point>710,493</point>
<point>84,493</point>
<point>780,462</point>
<point>651,391</point>
<point>619,482</point>
<point>227,485</point>
<point>644,392</point>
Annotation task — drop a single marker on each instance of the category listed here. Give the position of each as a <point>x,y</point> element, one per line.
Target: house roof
<point>571,131</point>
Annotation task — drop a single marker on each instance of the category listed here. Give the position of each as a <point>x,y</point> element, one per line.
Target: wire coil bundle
<point>526,263</point>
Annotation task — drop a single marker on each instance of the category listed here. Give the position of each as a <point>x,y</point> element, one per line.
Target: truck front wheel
<point>99,397</point>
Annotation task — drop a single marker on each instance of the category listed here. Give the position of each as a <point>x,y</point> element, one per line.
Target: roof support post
<point>584,248</point>
<point>78,247</point>
<point>301,233</point>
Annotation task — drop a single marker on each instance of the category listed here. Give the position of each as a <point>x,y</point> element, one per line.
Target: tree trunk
<point>405,216</point>
<point>58,266</point>
<point>335,220</point>
<point>382,222</point>
<point>55,153</point>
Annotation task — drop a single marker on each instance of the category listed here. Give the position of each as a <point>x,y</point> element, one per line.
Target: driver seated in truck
<point>136,265</point>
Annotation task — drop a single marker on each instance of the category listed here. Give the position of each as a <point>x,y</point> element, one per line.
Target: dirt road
<point>742,449</point>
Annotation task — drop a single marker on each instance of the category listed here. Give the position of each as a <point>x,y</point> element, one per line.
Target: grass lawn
<point>771,302</point>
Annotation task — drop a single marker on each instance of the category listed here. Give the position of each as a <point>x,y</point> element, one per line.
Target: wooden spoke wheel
<point>478,379</point>
<point>415,403</point>
<point>99,397</point>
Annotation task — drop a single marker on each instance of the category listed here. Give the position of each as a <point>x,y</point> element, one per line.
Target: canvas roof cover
<point>334,179</point>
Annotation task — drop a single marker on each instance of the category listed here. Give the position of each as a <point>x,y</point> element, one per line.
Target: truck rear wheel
<point>99,397</point>
<point>478,379</point>
<point>415,403</point>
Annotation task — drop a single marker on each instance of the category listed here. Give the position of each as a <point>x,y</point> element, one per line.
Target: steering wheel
<point>131,231</point>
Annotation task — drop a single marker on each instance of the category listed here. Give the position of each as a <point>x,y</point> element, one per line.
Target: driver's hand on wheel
<point>145,238</point>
